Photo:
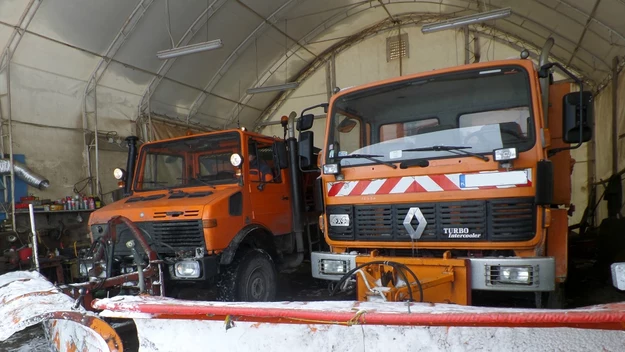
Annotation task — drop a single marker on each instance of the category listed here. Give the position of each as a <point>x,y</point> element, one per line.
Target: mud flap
<point>28,298</point>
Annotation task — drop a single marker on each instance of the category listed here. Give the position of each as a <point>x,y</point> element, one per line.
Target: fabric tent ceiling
<point>270,42</point>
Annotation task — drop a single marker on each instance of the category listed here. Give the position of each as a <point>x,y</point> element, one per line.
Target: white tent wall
<point>603,143</point>
<point>66,41</point>
<point>579,183</point>
<point>604,138</point>
<point>621,124</point>
<point>48,80</point>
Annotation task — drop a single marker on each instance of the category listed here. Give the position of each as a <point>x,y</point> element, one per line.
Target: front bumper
<point>485,273</point>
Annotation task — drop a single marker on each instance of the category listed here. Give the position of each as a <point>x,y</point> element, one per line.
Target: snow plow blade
<point>165,324</point>
<point>28,298</point>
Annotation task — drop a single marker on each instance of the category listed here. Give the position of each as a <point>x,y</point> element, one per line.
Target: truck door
<point>269,188</point>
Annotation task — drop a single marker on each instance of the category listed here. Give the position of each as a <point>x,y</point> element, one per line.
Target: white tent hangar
<point>91,66</point>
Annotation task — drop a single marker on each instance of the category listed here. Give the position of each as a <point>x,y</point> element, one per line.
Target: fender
<point>228,254</point>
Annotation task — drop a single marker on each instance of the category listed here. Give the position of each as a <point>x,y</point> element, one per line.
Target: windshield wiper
<point>371,157</point>
<point>458,150</point>
<point>196,179</point>
<point>161,185</point>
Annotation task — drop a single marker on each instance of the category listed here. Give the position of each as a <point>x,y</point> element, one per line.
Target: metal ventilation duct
<point>24,173</point>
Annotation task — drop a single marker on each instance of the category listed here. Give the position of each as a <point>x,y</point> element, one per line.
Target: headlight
<point>187,269</point>
<point>333,267</point>
<point>118,173</point>
<point>515,275</point>
<point>505,154</point>
<point>331,169</point>
<point>235,160</point>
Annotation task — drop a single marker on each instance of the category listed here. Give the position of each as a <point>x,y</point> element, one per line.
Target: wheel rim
<point>257,285</point>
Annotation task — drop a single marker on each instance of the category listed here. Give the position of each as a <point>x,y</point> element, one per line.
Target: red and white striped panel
<point>431,183</point>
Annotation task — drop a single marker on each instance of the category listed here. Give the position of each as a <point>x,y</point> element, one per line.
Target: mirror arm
<point>323,105</point>
<point>544,72</point>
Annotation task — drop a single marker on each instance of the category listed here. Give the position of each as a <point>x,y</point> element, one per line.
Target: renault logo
<point>415,212</point>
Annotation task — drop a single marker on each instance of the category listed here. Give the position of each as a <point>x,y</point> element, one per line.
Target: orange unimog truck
<point>222,208</point>
<point>452,180</point>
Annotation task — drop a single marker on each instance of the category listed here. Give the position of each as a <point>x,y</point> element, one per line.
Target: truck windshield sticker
<point>395,154</point>
<point>494,179</point>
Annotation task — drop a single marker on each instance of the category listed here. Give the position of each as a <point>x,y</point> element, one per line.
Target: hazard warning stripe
<point>431,183</point>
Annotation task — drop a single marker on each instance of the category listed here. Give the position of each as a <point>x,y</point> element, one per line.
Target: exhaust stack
<point>544,82</point>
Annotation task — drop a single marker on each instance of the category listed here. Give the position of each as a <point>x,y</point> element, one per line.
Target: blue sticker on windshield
<point>462,181</point>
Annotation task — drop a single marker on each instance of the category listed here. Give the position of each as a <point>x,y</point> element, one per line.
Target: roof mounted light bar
<point>277,88</point>
<point>466,20</point>
<point>189,49</point>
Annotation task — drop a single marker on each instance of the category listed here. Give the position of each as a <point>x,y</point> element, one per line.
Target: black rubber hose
<point>390,263</point>
<point>415,278</point>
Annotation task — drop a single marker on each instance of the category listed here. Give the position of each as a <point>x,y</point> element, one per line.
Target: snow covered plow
<point>27,298</point>
<point>167,324</point>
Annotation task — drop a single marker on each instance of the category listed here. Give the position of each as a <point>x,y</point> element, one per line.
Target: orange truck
<point>440,184</point>
<point>226,209</point>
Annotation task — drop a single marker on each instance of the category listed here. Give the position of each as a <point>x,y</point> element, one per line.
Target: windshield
<point>481,110</point>
<point>203,160</point>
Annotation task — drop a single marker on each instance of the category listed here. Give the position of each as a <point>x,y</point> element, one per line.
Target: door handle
<point>285,197</point>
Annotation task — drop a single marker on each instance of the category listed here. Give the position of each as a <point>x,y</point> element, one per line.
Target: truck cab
<point>216,207</point>
<point>444,180</point>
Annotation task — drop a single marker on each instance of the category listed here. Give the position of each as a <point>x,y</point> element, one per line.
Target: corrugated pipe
<point>24,173</point>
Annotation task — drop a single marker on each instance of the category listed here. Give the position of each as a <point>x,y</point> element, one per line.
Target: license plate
<point>339,220</point>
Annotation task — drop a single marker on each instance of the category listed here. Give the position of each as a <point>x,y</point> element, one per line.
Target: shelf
<point>55,211</point>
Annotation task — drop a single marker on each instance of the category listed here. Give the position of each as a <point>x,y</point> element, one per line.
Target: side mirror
<point>347,125</point>
<point>306,149</point>
<point>279,154</point>
<point>171,159</point>
<point>576,128</point>
<point>305,122</point>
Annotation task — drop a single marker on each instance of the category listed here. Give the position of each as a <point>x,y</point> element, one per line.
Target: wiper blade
<point>196,179</point>
<point>161,185</point>
<point>458,150</point>
<point>371,157</point>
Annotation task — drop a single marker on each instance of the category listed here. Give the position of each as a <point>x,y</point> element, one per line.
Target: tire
<point>251,277</point>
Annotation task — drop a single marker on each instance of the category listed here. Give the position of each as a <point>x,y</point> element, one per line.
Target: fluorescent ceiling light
<point>189,49</point>
<point>280,87</point>
<point>466,20</point>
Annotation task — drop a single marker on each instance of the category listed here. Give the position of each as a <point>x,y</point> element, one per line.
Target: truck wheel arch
<point>256,235</point>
